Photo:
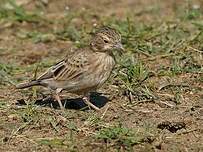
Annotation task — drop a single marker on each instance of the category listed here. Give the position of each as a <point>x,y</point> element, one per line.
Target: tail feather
<point>27,84</point>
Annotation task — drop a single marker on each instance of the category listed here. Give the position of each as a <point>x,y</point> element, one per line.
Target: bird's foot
<point>86,100</point>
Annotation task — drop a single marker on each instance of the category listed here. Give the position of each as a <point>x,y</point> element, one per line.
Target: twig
<point>166,95</point>
<point>189,131</point>
<point>145,53</point>
<point>105,112</point>
<point>165,103</point>
<point>194,49</point>
<point>172,85</point>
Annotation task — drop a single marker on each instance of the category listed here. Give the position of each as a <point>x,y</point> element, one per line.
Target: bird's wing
<point>68,69</point>
<point>53,70</point>
<point>73,67</point>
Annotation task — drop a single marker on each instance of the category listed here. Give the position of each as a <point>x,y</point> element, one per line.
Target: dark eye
<point>105,41</point>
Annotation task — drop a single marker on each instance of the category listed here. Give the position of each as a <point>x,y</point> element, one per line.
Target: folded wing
<point>68,69</point>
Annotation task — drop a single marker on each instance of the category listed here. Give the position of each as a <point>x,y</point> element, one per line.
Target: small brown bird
<point>83,71</point>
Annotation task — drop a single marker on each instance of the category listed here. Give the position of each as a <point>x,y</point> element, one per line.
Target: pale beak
<point>119,46</point>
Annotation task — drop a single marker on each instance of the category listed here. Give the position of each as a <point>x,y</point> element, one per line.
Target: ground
<point>153,100</point>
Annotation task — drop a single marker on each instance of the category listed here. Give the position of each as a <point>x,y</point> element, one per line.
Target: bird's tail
<point>27,84</point>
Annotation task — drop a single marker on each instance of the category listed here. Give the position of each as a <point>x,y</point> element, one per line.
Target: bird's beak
<point>119,46</point>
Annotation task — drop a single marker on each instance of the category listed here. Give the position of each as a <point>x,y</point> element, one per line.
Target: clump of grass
<point>132,76</point>
<point>132,73</point>
<point>29,114</point>
<point>10,10</point>
<point>123,137</point>
<point>93,121</point>
<point>119,136</point>
<point>6,71</point>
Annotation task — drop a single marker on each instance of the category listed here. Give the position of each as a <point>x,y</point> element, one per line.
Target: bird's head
<point>106,39</point>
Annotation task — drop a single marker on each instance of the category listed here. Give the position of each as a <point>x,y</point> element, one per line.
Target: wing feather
<point>54,70</point>
<point>72,69</point>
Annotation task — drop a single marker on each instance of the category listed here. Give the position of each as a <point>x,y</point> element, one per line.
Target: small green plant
<point>132,76</point>
<point>29,114</point>
<point>176,68</point>
<point>118,135</point>
<point>93,120</point>
<point>132,73</point>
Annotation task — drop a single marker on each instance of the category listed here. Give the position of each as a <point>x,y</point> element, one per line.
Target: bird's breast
<point>103,67</point>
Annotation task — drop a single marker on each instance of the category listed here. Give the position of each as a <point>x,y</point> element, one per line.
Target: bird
<point>83,71</point>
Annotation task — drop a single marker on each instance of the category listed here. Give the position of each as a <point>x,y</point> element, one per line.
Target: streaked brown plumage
<point>83,71</point>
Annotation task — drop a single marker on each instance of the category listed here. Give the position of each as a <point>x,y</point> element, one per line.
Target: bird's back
<point>82,72</point>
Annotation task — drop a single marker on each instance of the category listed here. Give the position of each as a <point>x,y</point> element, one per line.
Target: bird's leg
<point>59,101</point>
<point>56,96</point>
<point>86,99</point>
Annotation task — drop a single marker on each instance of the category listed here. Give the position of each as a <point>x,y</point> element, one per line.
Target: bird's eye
<point>105,41</point>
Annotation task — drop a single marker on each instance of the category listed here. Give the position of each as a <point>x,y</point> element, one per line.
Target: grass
<point>132,76</point>
<point>119,136</point>
<point>11,11</point>
<point>159,77</point>
<point>6,73</point>
<point>122,137</point>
